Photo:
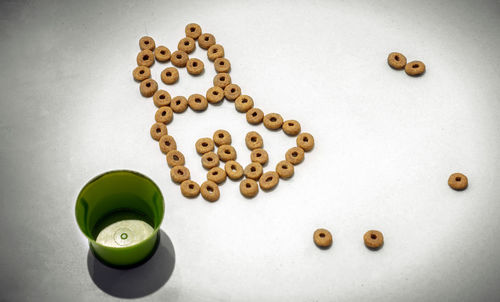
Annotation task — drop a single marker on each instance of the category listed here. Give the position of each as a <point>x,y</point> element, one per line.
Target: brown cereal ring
<point>216,175</point>
<point>232,91</point>
<point>186,45</point>
<point>269,180</point>
<point>164,115</point>
<point>222,65</point>
<point>195,66</point>
<point>190,189</point>
<point>167,143</point>
<point>162,54</point>
<point>169,75</point>
<point>322,238</point>
<point>255,116</point>
<point>141,73</point>
<point>222,137</point>
<point>291,127</point>
<point>254,140</point>
<point>305,141</point>
<point>215,95</point>
<point>259,156</point>
<point>226,153</point>
<point>396,60</point>
<point>147,43</point>
<point>249,188</point>
<point>233,170</point>
<point>204,145</point>
<point>458,181</point>
<point>222,80</point>
<point>243,103</point>
<point>215,51</point>
<point>284,169</point>
<point>145,58</point>
<point>179,174</point>
<point>175,158</point>
<point>161,98</point>
<point>253,171</point>
<point>373,239</point>
<point>179,58</point>
<point>158,130</point>
<point>197,102</point>
<point>210,191</point>
<point>294,155</point>
<point>193,30</point>
<point>273,121</point>
<point>209,160</point>
<point>148,87</point>
<point>179,104</point>
<point>415,68</point>
<point>206,40</point>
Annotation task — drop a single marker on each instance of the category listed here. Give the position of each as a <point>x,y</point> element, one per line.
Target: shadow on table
<point>138,281</point>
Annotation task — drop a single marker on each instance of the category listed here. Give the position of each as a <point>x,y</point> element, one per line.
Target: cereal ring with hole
<point>197,102</point>
<point>291,127</point>
<point>195,66</point>
<point>373,239</point>
<point>415,68</point>
<point>222,137</point>
<point>204,145</point>
<point>145,58</point>
<point>179,174</point>
<point>175,158</point>
<point>158,130</point>
<point>232,91</point>
<point>215,95</point>
<point>209,160</point>
<point>210,191</point>
<point>193,30</point>
<point>253,171</point>
<point>148,87</point>
<point>141,73</point>
<point>179,104</point>
<point>169,75</point>
<point>215,51</point>
<point>226,153</point>
<point>259,156</point>
<point>179,58</point>
<point>249,188</point>
<point>396,60</point>
<point>294,155</point>
<point>206,40</point>
<point>255,116</point>
<point>305,141</point>
<point>253,140</point>
<point>273,121</point>
<point>162,54</point>
<point>243,103</point>
<point>322,238</point>
<point>233,170</point>
<point>216,175</point>
<point>269,180</point>
<point>167,143</point>
<point>458,181</point>
<point>284,169</point>
<point>186,45</point>
<point>222,80</point>
<point>146,43</point>
<point>190,189</point>
<point>222,65</point>
<point>164,115</point>
<point>161,98</point>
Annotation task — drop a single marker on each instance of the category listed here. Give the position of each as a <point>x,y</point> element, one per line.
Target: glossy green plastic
<point>116,195</point>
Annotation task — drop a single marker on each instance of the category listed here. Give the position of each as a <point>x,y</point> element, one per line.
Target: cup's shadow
<point>138,281</point>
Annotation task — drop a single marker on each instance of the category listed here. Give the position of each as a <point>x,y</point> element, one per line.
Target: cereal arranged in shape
<point>141,73</point>
<point>179,174</point>
<point>259,156</point>
<point>179,104</point>
<point>146,43</point>
<point>204,145</point>
<point>226,153</point>
<point>222,137</point>
<point>145,58</point>
<point>158,130</point>
<point>273,121</point>
<point>249,188</point>
<point>190,189</point>
<point>305,141</point>
<point>253,171</point>
<point>284,169</point>
<point>215,95</point>
<point>269,180</point>
<point>243,103</point>
<point>222,80</point>
<point>197,102</point>
<point>161,98</point>
<point>206,40</point>
<point>222,65</point>
<point>162,54</point>
<point>167,143</point>
<point>169,75</point>
<point>175,158</point>
<point>216,175</point>
<point>164,115</point>
<point>232,91</point>
<point>294,155</point>
<point>193,30</point>
<point>255,116</point>
<point>291,127</point>
<point>186,45</point>
<point>233,170</point>
<point>195,66</point>
<point>148,87</point>
<point>209,160</point>
<point>253,140</point>
<point>179,58</point>
<point>210,191</point>
<point>215,51</point>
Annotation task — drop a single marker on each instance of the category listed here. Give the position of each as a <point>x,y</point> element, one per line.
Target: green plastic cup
<point>120,212</point>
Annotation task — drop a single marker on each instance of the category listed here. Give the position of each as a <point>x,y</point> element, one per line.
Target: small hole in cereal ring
<point>270,178</point>
<point>180,172</point>
<point>227,151</point>
<point>221,63</point>
<point>195,64</point>
<point>192,29</point>
<point>254,114</point>
<point>176,157</point>
<point>415,66</point>
<point>145,57</point>
<point>221,135</point>
<point>253,139</point>
<point>148,84</point>
<point>146,42</point>
<point>204,144</point>
<point>141,72</point>
<point>210,159</point>
<point>215,93</point>
<point>322,235</point>
<point>290,124</point>
<point>178,102</point>
<point>244,101</point>
<point>233,167</point>
<point>178,56</point>
<point>162,52</point>
<point>215,173</point>
<point>167,143</point>
<point>186,43</point>
<point>169,74</point>
<point>258,155</point>
<point>214,50</point>
<point>284,167</point>
<point>197,100</point>
<point>252,169</point>
<point>222,78</point>
<point>210,189</point>
<point>233,90</point>
<point>273,119</point>
<point>396,58</point>
<point>207,38</point>
<point>373,236</point>
<point>305,139</point>
<point>458,178</point>
<point>248,185</point>
<point>191,186</point>
<point>294,154</point>
<point>162,97</point>
<point>158,130</point>
<point>163,113</point>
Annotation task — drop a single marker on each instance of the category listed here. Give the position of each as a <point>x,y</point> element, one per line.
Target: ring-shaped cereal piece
<point>222,65</point>
<point>175,158</point>
<point>190,189</point>
<point>253,171</point>
<point>197,102</point>
<point>249,188</point>
<point>206,40</point>
<point>305,141</point>
<point>179,174</point>
<point>209,160</point>
<point>145,58</point>
<point>243,103</point>
<point>164,115</point>
<point>167,143</point>
<point>222,137</point>
<point>179,58</point>
<point>179,104</point>
<point>253,140</point>
<point>273,121</point>
<point>415,68</point>
<point>215,51</point>
<point>186,45</point>
<point>162,54</point>
<point>269,180</point>
<point>215,95</point>
<point>141,73</point>
<point>255,116</point>
<point>210,191</point>
<point>193,30</point>
<point>148,87</point>
<point>195,66</point>
<point>458,181</point>
<point>146,43</point>
<point>169,75</point>
<point>216,175</point>
<point>396,60</point>
<point>226,153</point>
<point>291,127</point>
<point>322,238</point>
<point>204,145</point>
<point>222,80</point>
<point>284,169</point>
<point>232,91</point>
<point>161,98</point>
<point>158,130</point>
<point>259,156</point>
<point>294,155</point>
<point>373,239</point>
<point>233,170</point>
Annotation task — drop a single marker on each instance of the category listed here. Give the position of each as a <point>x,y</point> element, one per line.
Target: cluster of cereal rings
<point>223,88</point>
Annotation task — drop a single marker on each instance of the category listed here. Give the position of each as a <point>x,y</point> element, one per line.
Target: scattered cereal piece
<point>291,127</point>
<point>141,73</point>
<point>209,160</point>
<point>204,145</point>
<point>216,175</point>
<point>158,130</point>
<point>415,68</point>
<point>179,174</point>
<point>322,238</point>
<point>269,180</point>
<point>186,45</point>
<point>305,141</point>
<point>190,189</point>
<point>396,60</point>
<point>215,51</point>
<point>284,169</point>
<point>206,40</point>
<point>458,181</point>
<point>253,171</point>
<point>259,156</point>
<point>145,58</point>
<point>193,30</point>
<point>233,170</point>
<point>167,143</point>
<point>148,87</point>
<point>169,75</point>
<point>147,43</point>
<point>222,137</point>
<point>162,54</point>
<point>249,188</point>
<point>210,191</point>
<point>253,140</point>
<point>179,58</point>
<point>373,239</point>
<point>226,153</point>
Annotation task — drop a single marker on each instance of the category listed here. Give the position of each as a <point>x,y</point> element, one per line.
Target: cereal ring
<point>209,160</point>
<point>254,140</point>
<point>141,73</point>
<point>164,115</point>
<point>179,104</point>
<point>161,98</point>
<point>294,155</point>
<point>162,54</point>
<point>190,189</point>
<point>259,156</point>
<point>222,80</point>
<point>222,137</point>
<point>179,174</point>
<point>216,175</point>
<point>206,40</point>
<point>253,171</point>
<point>291,127</point>
<point>273,121</point>
<point>195,66</point>
<point>210,191</point>
<point>255,116</point>
<point>197,102</point>
<point>226,153</point>
<point>415,68</point>
<point>204,145</point>
<point>193,30</point>
<point>458,181</point>
<point>145,58</point>
<point>147,43</point>
<point>186,45</point>
<point>232,91</point>
<point>284,169</point>
<point>179,58</point>
<point>373,239</point>
<point>233,170</point>
<point>148,87</point>
<point>158,130</point>
<point>269,180</point>
<point>175,158</point>
<point>305,141</point>
<point>215,51</point>
<point>215,95</point>
<point>167,143</point>
<point>396,60</point>
<point>322,238</point>
<point>222,65</point>
<point>249,188</point>
<point>243,103</point>
<point>169,75</point>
